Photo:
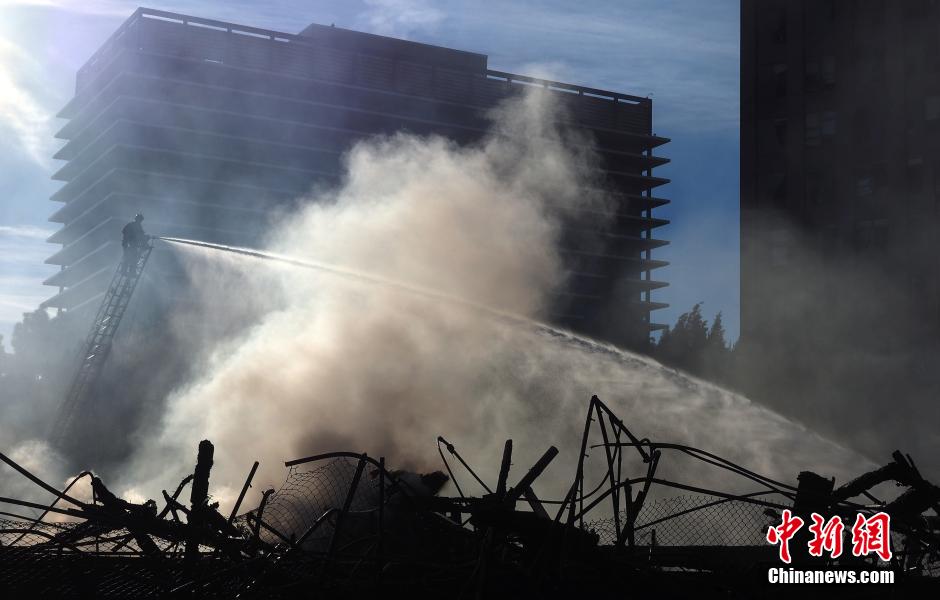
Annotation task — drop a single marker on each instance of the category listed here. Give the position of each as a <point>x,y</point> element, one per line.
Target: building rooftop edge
<point>144,12</point>
<point>360,41</point>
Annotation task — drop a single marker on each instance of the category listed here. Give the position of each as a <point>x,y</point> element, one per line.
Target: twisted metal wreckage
<point>342,524</point>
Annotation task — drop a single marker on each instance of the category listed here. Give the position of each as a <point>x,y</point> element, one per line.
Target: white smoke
<point>340,364</point>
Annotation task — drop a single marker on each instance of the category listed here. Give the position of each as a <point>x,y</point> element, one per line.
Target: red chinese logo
<point>782,534</point>
<point>870,535</point>
<point>826,536</point>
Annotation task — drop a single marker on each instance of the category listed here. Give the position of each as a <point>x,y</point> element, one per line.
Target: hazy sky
<point>683,53</point>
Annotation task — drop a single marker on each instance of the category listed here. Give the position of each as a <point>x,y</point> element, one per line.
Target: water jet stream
<point>658,399</point>
<point>540,326</point>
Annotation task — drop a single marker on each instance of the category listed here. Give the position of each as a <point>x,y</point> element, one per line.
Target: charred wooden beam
<point>241,495</point>
<point>504,470</point>
<point>533,474</point>
<point>535,503</point>
<point>198,498</point>
<point>900,470</point>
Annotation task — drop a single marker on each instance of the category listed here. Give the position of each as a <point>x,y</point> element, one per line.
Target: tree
<point>683,344</point>
<point>37,345</point>
<point>716,336</point>
<point>694,347</point>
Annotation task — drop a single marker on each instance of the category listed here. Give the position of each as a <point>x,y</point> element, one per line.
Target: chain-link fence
<point>75,537</point>
<point>307,509</point>
<point>79,559</point>
<point>16,533</point>
<point>702,520</point>
<point>693,520</point>
<point>312,490</point>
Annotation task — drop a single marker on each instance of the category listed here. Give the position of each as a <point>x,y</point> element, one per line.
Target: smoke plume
<point>338,363</point>
<point>281,362</point>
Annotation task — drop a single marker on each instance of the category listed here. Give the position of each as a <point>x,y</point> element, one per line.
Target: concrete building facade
<point>840,206</point>
<point>840,161</point>
<point>212,129</point>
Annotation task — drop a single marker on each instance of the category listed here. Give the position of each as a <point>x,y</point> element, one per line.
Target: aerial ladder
<point>97,345</point>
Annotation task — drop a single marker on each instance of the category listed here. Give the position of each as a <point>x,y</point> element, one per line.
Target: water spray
<point>369,278</point>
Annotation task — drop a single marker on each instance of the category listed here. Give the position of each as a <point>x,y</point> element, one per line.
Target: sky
<point>684,54</point>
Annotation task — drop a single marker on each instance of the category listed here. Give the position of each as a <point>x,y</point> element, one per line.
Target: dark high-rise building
<point>840,204</point>
<point>212,128</point>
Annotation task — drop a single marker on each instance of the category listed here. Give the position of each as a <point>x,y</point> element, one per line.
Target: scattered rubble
<point>343,525</point>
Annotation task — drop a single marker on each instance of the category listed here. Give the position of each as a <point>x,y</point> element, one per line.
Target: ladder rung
<point>113,305</point>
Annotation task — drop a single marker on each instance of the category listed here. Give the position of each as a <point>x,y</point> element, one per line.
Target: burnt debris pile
<point>343,524</point>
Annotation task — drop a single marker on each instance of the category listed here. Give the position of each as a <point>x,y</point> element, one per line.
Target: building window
<point>919,10</point>
<point>780,129</point>
<point>812,133</point>
<point>871,179</point>
<point>828,71</point>
<point>872,234</point>
<point>780,80</point>
<point>879,173</point>
<point>812,78</point>
<point>828,124</point>
<point>936,187</point>
<point>877,12</point>
<point>812,188</point>
<point>819,187</point>
<point>818,19</point>
<point>915,139</point>
<point>932,108</point>
<point>872,69</point>
<point>861,127</point>
<point>930,50</point>
<point>780,29</point>
<point>915,175</point>
<point>780,190</point>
